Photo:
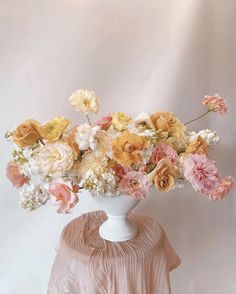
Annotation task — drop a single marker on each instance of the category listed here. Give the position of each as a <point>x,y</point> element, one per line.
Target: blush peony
<point>201,172</point>
<point>135,184</point>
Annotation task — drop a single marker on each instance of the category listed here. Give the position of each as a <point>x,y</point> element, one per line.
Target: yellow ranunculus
<point>126,148</point>
<point>120,121</point>
<point>199,146</point>
<point>164,178</point>
<point>53,129</point>
<point>27,133</point>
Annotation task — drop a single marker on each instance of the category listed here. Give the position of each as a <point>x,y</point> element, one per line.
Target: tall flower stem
<point>192,120</point>
<point>88,119</point>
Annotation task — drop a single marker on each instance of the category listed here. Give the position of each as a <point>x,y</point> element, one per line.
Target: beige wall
<point>138,56</point>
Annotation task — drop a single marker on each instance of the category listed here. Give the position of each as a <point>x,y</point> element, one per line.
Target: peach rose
<point>164,178</point>
<point>168,123</point>
<point>14,175</point>
<point>198,146</point>
<point>27,133</point>
<point>64,195</point>
<point>126,148</point>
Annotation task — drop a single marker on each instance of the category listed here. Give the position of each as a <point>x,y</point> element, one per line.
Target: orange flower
<point>126,148</point>
<point>164,178</point>
<point>27,133</point>
<point>198,146</point>
<point>167,123</point>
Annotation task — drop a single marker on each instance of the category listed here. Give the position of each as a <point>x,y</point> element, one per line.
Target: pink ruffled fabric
<point>87,264</point>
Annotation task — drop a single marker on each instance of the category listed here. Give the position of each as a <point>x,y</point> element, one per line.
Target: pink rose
<point>64,195</point>
<point>215,103</point>
<point>222,188</point>
<point>135,184</point>
<point>164,151</point>
<point>14,175</point>
<point>104,122</point>
<point>201,172</point>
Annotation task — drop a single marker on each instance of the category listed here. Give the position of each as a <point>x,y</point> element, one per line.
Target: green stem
<point>88,120</point>
<point>192,120</point>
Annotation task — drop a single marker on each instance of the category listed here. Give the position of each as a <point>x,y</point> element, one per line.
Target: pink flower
<point>164,151</point>
<point>64,195</point>
<point>201,172</point>
<point>14,175</point>
<point>222,189</point>
<point>215,103</point>
<point>104,122</point>
<point>135,184</point>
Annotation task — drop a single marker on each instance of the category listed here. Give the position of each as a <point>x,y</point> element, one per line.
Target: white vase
<point>117,227</point>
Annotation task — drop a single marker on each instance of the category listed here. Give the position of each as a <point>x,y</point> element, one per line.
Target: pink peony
<point>104,122</point>
<point>164,151</point>
<point>63,195</point>
<point>14,175</point>
<point>215,103</point>
<point>135,184</point>
<point>201,172</point>
<point>222,188</point>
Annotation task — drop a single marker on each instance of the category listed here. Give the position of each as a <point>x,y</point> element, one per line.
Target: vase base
<point>117,230</point>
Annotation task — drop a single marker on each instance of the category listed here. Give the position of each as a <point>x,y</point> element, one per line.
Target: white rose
<point>86,136</point>
<point>54,159</point>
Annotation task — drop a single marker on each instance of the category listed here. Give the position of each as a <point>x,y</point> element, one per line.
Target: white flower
<point>33,196</point>
<point>84,101</point>
<point>146,154</point>
<point>54,159</point>
<point>211,137</point>
<point>100,185</point>
<point>142,117</point>
<point>86,136</point>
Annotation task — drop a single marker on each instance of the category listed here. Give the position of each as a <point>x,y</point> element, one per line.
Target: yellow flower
<point>126,148</point>
<point>53,130</point>
<point>168,124</point>
<point>27,133</point>
<point>120,121</point>
<point>164,178</point>
<point>198,146</point>
<point>84,101</point>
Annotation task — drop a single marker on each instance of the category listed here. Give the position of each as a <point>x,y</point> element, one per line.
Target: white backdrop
<point>137,56</point>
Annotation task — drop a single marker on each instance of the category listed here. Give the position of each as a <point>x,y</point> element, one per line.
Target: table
<point>87,264</point>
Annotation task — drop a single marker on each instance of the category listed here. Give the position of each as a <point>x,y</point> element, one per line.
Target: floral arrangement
<point>114,155</point>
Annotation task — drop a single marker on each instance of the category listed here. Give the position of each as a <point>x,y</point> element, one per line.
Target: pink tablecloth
<point>87,264</point>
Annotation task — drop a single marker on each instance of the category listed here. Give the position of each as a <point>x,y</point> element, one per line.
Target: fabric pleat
<point>87,264</point>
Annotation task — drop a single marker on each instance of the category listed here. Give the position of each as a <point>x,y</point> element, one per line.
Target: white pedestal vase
<point>117,227</point>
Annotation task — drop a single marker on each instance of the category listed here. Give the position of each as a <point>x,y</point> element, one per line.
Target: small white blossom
<point>142,117</point>
<point>146,154</point>
<point>211,137</point>
<point>33,196</point>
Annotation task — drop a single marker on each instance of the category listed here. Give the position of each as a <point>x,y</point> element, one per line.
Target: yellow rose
<point>198,146</point>
<point>164,178</point>
<point>120,121</point>
<point>27,133</point>
<point>126,148</point>
<point>167,123</point>
<point>53,130</point>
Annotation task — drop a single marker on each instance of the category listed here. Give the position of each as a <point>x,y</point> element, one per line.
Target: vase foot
<point>117,229</point>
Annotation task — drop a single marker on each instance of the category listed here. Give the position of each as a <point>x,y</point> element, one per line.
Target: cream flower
<point>120,121</point>
<point>143,117</point>
<point>93,161</point>
<point>54,159</point>
<point>86,136</point>
<point>84,101</point>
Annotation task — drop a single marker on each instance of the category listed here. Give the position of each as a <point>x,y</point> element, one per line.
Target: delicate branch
<point>192,120</point>
<point>88,119</point>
